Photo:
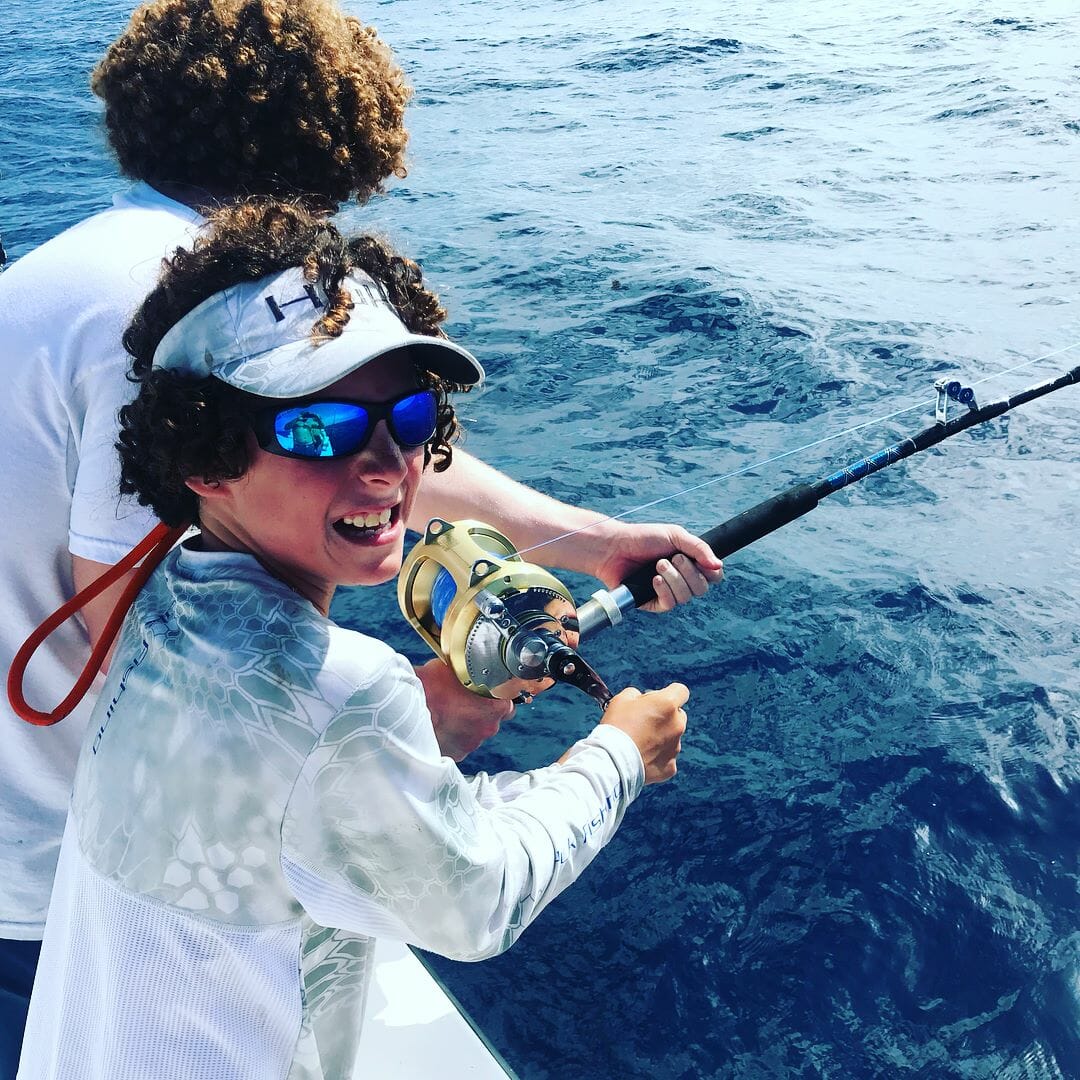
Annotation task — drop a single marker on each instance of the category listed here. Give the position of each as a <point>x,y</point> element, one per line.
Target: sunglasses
<point>338,427</point>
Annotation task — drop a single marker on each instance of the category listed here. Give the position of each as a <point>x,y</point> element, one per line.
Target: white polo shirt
<point>63,309</point>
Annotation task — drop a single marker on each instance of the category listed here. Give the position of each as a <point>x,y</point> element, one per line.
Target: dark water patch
<point>697,315</point>
<point>729,80</point>
<point>1011,24</point>
<point>974,111</point>
<point>505,86</point>
<point>599,172</point>
<point>769,898</point>
<point>653,51</point>
<point>749,136</point>
<point>752,408</point>
<point>729,355</point>
<point>835,88</point>
<point>640,224</point>
<point>751,214</point>
<point>554,282</point>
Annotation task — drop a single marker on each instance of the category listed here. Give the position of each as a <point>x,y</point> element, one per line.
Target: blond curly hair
<point>254,97</point>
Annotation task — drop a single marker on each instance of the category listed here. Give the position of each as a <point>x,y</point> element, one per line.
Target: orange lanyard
<point>150,550</point>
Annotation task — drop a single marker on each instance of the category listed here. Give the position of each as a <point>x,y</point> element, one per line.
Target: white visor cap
<point>256,336</point>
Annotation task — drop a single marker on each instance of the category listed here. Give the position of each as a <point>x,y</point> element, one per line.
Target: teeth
<point>368,521</point>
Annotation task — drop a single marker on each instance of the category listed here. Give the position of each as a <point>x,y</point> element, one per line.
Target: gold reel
<point>485,611</point>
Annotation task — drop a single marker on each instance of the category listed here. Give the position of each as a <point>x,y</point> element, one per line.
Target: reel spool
<point>507,628</point>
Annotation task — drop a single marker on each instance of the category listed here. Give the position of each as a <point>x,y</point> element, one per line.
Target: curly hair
<point>179,427</point>
<point>289,98</point>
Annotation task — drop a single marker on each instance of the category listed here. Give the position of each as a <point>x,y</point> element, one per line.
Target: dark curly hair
<point>289,98</point>
<point>180,427</point>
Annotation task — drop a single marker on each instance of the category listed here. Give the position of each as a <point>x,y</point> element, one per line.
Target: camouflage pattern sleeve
<point>384,836</point>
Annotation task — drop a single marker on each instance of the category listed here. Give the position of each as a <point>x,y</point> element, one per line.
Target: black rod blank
<point>793,502</point>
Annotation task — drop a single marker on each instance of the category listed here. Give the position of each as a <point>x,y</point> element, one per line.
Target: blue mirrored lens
<point>322,429</point>
<point>412,420</point>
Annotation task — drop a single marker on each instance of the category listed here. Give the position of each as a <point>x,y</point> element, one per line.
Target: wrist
<point>584,552</point>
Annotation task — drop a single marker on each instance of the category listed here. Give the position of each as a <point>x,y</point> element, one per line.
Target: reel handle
<point>566,666</point>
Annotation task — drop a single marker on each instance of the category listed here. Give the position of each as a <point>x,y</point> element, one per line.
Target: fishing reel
<point>507,628</point>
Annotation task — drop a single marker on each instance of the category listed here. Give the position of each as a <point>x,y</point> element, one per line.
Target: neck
<point>197,198</point>
<point>215,535</point>
<point>200,198</point>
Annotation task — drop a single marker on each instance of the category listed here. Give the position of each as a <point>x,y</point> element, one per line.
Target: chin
<point>385,571</point>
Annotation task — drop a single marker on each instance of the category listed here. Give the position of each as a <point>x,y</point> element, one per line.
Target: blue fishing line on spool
<point>444,589</point>
<point>443,592</point>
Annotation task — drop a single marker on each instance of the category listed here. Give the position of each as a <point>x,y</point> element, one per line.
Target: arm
<point>96,613</point>
<point>608,550</point>
<point>656,727</point>
<point>384,836</point>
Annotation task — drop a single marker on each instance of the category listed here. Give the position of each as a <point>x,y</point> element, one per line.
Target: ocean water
<point>685,239</point>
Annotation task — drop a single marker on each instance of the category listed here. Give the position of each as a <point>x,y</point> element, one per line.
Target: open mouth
<point>367,526</point>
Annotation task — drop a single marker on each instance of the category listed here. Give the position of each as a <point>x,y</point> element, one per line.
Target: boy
<point>261,792</point>
<point>206,102</point>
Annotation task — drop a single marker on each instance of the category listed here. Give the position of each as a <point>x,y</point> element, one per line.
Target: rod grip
<point>735,533</point>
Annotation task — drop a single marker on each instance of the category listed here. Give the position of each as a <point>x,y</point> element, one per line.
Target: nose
<point>382,461</point>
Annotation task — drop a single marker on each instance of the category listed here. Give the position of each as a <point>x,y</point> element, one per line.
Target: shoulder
<point>113,256</point>
<point>275,647</point>
<point>366,669</point>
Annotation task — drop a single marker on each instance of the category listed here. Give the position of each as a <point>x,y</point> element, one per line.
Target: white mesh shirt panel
<point>337,904</point>
<point>185,998</point>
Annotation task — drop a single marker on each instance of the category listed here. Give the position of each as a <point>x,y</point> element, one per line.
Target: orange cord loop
<point>151,550</point>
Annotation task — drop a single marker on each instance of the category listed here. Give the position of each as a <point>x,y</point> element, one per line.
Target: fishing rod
<point>510,629</point>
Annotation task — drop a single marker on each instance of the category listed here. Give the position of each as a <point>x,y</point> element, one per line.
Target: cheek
<point>414,466</point>
<point>286,489</point>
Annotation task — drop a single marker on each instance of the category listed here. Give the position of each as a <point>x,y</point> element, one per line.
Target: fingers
<point>677,692</point>
<point>490,716</point>
<point>656,722</point>
<point>680,579</point>
<point>676,581</point>
<point>698,551</point>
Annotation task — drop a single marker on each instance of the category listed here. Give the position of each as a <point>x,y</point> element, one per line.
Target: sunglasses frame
<point>263,422</point>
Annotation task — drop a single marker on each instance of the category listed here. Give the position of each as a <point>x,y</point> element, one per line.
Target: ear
<point>207,489</point>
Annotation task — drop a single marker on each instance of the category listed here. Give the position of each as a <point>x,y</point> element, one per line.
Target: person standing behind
<point>206,102</point>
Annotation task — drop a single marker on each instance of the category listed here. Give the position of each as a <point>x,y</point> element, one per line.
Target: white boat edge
<point>415,1029</point>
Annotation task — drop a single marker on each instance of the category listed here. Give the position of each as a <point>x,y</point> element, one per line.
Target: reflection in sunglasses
<point>328,429</point>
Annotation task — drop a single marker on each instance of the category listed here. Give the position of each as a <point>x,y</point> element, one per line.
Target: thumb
<point>699,551</point>
<point>676,694</point>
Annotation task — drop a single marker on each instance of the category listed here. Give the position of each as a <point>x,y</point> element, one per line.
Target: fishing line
<point>787,453</point>
<point>509,629</point>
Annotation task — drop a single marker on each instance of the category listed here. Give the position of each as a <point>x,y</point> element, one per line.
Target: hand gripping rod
<point>607,608</point>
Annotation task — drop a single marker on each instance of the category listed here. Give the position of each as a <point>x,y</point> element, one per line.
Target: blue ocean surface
<point>686,239</point>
